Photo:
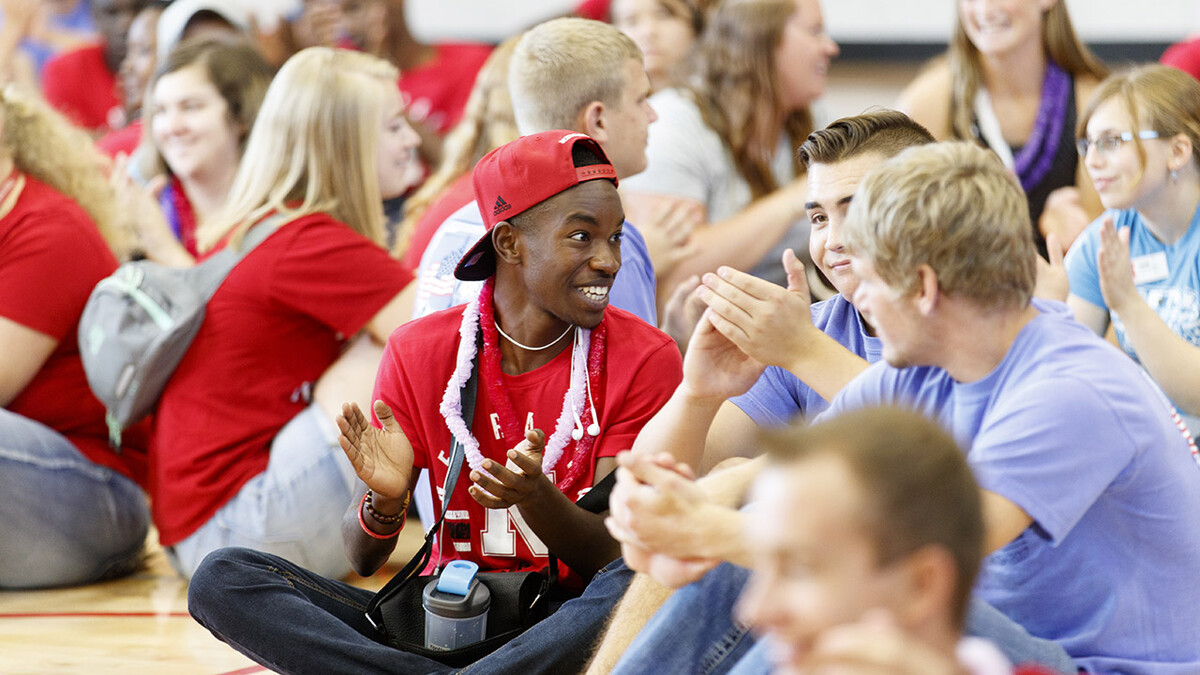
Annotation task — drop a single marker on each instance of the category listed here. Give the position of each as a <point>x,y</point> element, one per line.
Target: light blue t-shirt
<point>1173,289</point>
<point>1076,434</point>
<point>779,396</point>
<point>633,290</point>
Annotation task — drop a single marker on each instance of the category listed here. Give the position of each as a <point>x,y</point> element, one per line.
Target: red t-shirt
<point>457,195</point>
<point>79,84</point>
<point>123,140</point>
<point>1184,56</point>
<point>275,325</point>
<point>51,256</point>
<point>436,93</point>
<point>641,370</point>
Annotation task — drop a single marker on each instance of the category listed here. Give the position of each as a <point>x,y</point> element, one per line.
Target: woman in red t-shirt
<point>244,454</point>
<point>71,511</point>
<point>203,101</point>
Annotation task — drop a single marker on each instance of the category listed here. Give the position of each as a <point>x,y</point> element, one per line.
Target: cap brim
<point>479,263</point>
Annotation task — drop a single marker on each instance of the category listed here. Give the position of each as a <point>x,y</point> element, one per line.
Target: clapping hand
<point>499,487</point>
<point>382,457</point>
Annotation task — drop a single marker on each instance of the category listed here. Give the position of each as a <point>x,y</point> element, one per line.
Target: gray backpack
<point>139,322</point>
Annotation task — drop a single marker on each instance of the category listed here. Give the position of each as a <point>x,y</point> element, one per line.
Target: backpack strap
<point>421,559</point>
<point>220,264</point>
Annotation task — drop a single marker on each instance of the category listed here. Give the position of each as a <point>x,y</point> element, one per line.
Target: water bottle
<point>456,606</point>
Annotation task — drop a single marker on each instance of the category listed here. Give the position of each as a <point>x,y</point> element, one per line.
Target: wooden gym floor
<point>141,625</point>
<point>130,626</point>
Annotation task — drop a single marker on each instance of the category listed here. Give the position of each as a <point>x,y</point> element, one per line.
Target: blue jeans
<point>694,632</point>
<point>293,621</point>
<point>64,519</point>
<point>293,509</point>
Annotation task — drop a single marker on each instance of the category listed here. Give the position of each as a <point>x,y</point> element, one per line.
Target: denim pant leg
<point>291,620</point>
<point>63,518</point>
<point>563,642</point>
<point>1014,641</point>
<point>694,631</point>
<point>293,509</point>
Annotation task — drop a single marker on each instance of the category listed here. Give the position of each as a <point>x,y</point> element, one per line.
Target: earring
<point>1174,174</point>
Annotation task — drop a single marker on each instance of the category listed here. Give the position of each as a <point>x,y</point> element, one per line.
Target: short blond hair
<point>562,65</point>
<point>313,146</point>
<point>954,207</point>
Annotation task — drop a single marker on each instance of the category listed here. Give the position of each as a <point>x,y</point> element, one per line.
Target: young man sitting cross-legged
<point>554,356</point>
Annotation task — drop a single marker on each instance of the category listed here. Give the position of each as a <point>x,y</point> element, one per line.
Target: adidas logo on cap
<point>501,206</point>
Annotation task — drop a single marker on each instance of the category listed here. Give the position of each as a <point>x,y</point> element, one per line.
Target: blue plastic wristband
<point>457,576</point>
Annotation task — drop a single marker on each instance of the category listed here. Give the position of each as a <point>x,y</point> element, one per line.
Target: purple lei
<point>1035,158</point>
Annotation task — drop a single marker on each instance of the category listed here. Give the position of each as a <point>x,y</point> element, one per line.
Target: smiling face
<point>803,55</point>
<point>1121,179</point>
<point>661,29</point>
<point>815,564</point>
<point>999,26</point>
<point>396,148</point>
<point>570,248</point>
<point>830,188</point>
<point>192,126</point>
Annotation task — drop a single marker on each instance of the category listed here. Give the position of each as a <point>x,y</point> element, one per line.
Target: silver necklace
<point>528,348</point>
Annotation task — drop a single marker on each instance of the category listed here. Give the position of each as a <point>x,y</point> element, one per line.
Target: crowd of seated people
<point>855,381</point>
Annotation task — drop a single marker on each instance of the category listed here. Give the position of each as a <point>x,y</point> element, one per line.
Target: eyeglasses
<point>1106,145</point>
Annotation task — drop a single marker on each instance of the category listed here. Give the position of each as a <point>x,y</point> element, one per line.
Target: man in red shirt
<point>553,356</point>
<point>82,83</point>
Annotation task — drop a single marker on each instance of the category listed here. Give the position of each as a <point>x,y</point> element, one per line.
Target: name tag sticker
<point>1150,268</point>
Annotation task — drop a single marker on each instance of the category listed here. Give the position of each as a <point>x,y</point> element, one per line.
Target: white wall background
<point>847,20</point>
<point>932,20</point>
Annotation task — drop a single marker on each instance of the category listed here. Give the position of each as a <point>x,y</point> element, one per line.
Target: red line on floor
<point>88,615</point>
<point>245,671</point>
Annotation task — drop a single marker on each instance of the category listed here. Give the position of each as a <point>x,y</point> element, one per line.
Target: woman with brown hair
<point>665,31</point>
<point>725,143</point>
<point>1014,79</point>
<point>201,105</point>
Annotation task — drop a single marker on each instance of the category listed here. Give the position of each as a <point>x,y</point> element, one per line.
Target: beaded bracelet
<point>366,501</point>
<point>386,520</point>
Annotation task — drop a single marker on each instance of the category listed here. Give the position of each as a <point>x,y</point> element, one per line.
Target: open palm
<point>382,458</point>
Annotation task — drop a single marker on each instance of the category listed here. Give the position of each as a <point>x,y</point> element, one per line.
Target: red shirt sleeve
<point>79,85</point>
<point>315,279</point>
<point>50,259</point>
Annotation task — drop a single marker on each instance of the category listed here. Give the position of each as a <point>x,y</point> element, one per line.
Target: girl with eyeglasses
<point>1138,266</point>
<point>1014,79</point>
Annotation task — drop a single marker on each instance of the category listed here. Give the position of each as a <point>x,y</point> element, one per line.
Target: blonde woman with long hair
<point>243,456</point>
<point>71,511</point>
<point>725,144</point>
<point>1014,79</point>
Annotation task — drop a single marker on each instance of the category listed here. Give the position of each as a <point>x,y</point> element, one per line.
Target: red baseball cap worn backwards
<point>520,175</point>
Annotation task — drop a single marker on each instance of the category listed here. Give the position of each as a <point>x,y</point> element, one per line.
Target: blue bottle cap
<point>456,577</point>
